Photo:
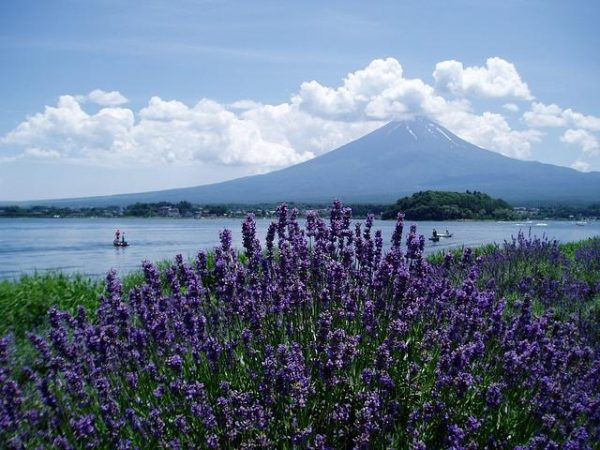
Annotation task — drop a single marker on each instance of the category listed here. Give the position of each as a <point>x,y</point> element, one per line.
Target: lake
<point>85,245</point>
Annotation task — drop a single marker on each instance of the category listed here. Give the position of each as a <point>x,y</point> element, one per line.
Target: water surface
<point>85,245</point>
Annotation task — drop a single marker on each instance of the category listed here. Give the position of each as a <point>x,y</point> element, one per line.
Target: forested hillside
<point>440,205</point>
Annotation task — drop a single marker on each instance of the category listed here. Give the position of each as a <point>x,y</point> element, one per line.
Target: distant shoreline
<point>421,206</point>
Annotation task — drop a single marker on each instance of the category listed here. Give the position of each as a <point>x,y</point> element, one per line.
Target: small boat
<point>581,223</point>
<point>119,240</point>
<point>541,224</point>
<point>435,236</point>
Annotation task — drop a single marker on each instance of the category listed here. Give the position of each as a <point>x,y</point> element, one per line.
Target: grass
<point>438,257</point>
<point>25,302</point>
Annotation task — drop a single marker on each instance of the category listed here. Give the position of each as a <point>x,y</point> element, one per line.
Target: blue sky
<point>103,97</point>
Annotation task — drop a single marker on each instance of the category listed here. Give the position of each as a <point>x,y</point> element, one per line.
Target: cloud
<point>208,132</point>
<point>41,153</point>
<point>245,104</point>
<point>164,110</point>
<point>498,78</point>
<point>582,138</point>
<point>492,131</point>
<point>10,158</point>
<point>165,131</point>
<point>288,124</point>
<point>353,97</point>
<point>582,166</point>
<point>316,119</point>
<point>69,132</point>
<point>378,92</point>
<point>103,98</point>
<point>511,107</point>
<point>541,115</point>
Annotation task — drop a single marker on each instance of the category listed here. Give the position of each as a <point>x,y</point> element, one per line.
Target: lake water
<point>85,245</point>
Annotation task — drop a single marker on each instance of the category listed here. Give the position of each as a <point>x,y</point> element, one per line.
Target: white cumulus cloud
<point>541,115</point>
<point>316,119</point>
<point>104,98</point>
<point>68,131</point>
<point>498,78</point>
<point>378,92</point>
<point>208,131</point>
<point>582,166</point>
<point>164,131</point>
<point>582,138</point>
<point>492,131</point>
<point>511,107</point>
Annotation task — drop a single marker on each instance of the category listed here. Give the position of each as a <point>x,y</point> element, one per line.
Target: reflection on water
<point>85,245</point>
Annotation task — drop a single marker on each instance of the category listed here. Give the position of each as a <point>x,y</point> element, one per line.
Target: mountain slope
<point>393,161</point>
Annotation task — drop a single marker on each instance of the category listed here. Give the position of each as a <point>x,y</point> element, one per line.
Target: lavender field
<point>319,338</point>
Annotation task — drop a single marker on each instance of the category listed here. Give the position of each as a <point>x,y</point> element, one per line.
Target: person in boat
<point>447,233</point>
<point>117,235</point>
<point>434,233</point>
<point>123,238</point>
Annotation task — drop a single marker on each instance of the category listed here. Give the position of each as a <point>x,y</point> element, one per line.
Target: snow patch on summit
<point>444,134</point>
<point>411,132</point>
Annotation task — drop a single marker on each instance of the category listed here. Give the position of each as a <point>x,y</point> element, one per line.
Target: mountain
<point>394,161</point>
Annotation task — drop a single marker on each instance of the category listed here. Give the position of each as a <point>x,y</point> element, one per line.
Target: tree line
<point>441,205</point>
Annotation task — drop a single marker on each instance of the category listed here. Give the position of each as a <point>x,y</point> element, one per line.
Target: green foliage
<point>24,303</point>
<point>570,211</point>
<point>362,210</point>
<point>441,205</point>
<point>438,257</point>
<point>141,210</point>
<point>218,210</point>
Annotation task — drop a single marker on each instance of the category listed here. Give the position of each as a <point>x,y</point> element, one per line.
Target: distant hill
<point>394,161</point>
<point>436,205</point>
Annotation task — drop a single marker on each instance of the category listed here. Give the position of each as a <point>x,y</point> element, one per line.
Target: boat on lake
<point>435,236</point>
<point>581,223</point>
<point>119,240</point>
